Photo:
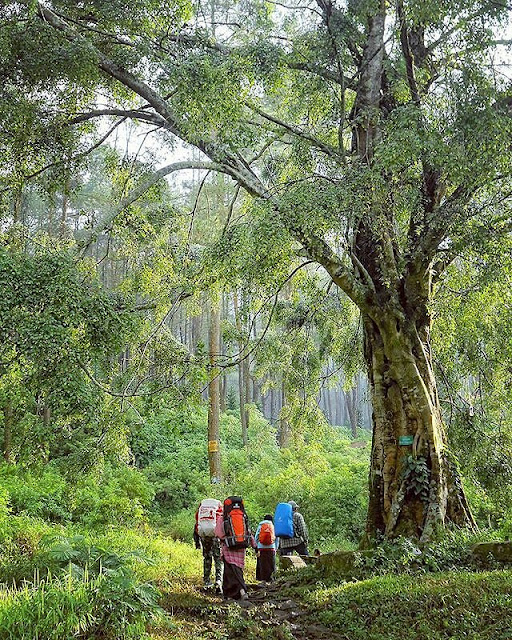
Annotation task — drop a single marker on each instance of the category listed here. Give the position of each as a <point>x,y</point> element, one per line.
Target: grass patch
<point>465,605</point>
<point>110,608</point>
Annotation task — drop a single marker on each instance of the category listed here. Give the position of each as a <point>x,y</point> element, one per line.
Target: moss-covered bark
<point>414,484</point>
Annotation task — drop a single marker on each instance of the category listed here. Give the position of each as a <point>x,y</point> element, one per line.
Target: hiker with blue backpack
<point>291,530</point>
<point>266,551</point>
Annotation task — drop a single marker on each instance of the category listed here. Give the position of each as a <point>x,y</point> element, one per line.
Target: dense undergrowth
<point>93,554</point>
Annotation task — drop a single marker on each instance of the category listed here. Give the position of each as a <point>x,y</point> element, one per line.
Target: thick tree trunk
<point>415,488</point>
<point>214,398</point>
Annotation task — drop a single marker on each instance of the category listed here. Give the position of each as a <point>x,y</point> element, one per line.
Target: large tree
<point>373,135</point>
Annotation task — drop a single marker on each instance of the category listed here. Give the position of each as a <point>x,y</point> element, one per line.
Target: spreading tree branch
<point>226,161</point>
<point>136,193</point>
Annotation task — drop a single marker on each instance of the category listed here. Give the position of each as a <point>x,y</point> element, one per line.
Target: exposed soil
<point>273,612</point>
<point>272,606</point>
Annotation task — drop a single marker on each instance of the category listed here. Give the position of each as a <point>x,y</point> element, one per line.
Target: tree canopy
<point>370,138</point>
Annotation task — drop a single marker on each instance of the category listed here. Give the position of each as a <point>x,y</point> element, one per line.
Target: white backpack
<point>207,517</point>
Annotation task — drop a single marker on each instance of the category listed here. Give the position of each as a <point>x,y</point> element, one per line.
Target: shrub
<point>118,495</point>
<point>76,556</point>
<point>452,552</point>
<point>506,527</point>
<point>113,607</point>
<point>181,525</point>
<point>19,544</point>
<point>331,488</point>
<point>179,480</point>
<point>39,492</point>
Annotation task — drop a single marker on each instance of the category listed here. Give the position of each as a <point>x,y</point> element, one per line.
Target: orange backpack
<point>236,524</point>
<point>267,535</point>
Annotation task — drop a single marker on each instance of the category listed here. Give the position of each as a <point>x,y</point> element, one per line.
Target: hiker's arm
<point>305,529</point>
<point>301,529</point>
<point>196,534</point>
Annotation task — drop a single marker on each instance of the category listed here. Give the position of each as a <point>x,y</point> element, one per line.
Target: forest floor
<point>452,605</point>
<point>273,612</point>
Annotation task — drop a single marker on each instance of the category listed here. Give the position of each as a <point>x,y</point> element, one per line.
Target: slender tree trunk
<point>8,427</point>
<point>241,375</point>
<point>264,402</point>
<point>273,411</point>
<point>338,403</point>
<point>257,398</point>
<point>321,403</point>
<point>63,227</point>
<point>328,393</point>
<point>284,427</point>
<point>223,380</point>
<point>247,389</point>
<point>214,397</point>
<point>255,390</point>
<point>47,416</point>
<point>17,206</point>
<point>351,402</point>
<point>223,392</point>
<point>64,215</point>
<point>247,378</point>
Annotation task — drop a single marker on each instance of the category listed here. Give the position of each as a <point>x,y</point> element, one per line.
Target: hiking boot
<point>218,587</point>
<point>243,595</point>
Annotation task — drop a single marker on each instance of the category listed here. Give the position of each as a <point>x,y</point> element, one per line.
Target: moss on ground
<point>465,605</point>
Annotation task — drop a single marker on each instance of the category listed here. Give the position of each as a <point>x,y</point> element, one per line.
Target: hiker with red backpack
<point>233,531</point>
<point>205,538</point>
<point>291,529</point>
<point>267,546</point>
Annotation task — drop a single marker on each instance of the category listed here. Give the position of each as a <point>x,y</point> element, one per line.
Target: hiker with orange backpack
<point>205,538</point>
<point>267,546</point>
<point>233,531</point>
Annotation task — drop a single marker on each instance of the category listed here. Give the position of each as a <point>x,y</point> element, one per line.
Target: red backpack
<point>267,535</point>
<point>236,523</point>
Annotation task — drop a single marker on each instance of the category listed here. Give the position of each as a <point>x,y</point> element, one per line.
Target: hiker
<point>291,529</point>
<point>204,536</point>
<point>233,531</point>
<point>266,551</point>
